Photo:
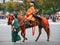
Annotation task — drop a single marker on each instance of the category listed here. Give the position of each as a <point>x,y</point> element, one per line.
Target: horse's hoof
<point>35,40</point>
<point>23,41</point>
<point>47,40</point>
<point>26,39</point>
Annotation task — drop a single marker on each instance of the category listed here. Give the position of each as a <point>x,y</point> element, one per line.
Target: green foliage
<point>48,11</point>
<point>15,6</point>
<point>0,6</point>
<point>26,6</point>
<point>47,6</point>
<point>54,4</point>
<point>8,7</point>
<point>36,4</point>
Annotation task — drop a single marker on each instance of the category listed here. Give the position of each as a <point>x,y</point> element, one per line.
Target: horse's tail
<point>45,21</point>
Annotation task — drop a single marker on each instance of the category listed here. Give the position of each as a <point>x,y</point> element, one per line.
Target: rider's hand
<point>34,13</point>
<point>25,16</point>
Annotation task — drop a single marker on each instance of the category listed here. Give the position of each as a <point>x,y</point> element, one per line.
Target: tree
<point>8,7</point>
<point>15,6</point>
<point>0,6</point>
<point>11,0</point>
<point>54,4</point>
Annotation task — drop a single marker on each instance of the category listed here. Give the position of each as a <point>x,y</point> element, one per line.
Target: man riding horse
<point>29,17</point>
<point>29,13</point>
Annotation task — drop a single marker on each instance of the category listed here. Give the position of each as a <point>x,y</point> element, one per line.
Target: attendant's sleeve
<point>13,22</point>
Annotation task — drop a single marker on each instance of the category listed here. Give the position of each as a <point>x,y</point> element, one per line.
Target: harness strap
<point>22,20</point>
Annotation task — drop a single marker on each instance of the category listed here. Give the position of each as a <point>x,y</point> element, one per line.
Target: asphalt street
<point>5,35</point>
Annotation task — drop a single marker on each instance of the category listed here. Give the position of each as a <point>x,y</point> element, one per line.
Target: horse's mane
<point>37,17</point>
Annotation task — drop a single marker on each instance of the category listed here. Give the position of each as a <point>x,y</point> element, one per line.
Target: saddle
<point>30,23</point>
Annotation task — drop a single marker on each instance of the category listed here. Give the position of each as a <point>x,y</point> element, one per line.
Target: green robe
<point>15,36</point>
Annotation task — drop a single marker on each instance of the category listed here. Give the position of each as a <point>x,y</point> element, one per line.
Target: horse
<point>41,22</point>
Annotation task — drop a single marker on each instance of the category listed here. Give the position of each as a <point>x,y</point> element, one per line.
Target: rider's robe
<point>29,13</point>
<point>30,17</point>
<point>15,36</point>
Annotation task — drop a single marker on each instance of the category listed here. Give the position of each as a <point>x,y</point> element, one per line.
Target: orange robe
<point>30,17</point>
<point>29,13</point>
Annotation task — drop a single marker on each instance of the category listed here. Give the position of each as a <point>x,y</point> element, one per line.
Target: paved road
<point>5,36</point>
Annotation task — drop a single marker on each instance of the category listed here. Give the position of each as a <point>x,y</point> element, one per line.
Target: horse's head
<point>20,18</point>
<point>10,19</point>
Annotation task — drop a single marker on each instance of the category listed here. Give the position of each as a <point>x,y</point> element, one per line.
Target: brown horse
<point>42,22</point>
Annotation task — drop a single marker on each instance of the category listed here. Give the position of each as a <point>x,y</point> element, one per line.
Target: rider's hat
<point>32,4</point>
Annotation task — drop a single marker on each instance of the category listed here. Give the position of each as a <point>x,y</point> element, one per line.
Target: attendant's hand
<point>14,29</point>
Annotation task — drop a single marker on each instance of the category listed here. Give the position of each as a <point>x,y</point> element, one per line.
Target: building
<point>4,1</point>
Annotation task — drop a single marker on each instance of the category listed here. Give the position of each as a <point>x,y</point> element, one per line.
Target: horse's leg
<point>23,35</point>
<point>39,33</point>
<point>47,30</point>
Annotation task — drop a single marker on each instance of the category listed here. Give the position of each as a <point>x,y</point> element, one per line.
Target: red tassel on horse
<point>33,31</point>
<point>33,28</point>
